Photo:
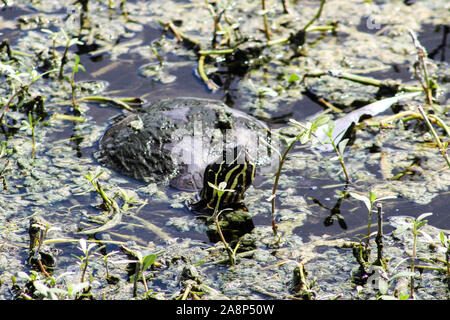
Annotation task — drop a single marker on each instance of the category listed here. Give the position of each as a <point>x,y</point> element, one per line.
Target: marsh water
<point>327,212</point>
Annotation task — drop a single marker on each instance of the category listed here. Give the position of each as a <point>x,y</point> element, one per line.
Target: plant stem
<point>186,292</point>
<point>83,274</point>
<point>265,19</point>
<point>317,16</point>
<point>178,34</point>
<point>442,148</point>
<point>67,117</point>
<point>124,11</point>
<point>357,78</point>
<point>341,160</point>
<point>117,101</point>
<point>285,6</point>
<point>379,237</point>
<point>75,105</point>
<point>369,226</point>
<point>136,276</point>
<point>63,61</point>
<point>33,136</point>
<point>222,238</point>
<point>413,258</point>
<point>216,51</point>
<point>277,179</point>
<point>201,71</point>
<point>421,54</point>
<point>144,281</point>
<point>447,259</point>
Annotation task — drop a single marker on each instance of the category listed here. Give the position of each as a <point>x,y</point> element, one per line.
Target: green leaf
<point>403,296</point>
<point>342,146</point>
<point>372,197</point>
<point>83,246</point>
<point>363,199</point>
<point>329,130</point>
<point>148,261</point>
<point>423,216</point>
<point>293,78</point>
<point>320,121</point>
<point>421,224</point>
<point>442,237</point>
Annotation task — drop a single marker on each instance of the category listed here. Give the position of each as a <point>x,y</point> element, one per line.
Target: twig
<point>329,105</point>
<point>106,99</point>
<point>178,34</point>
<point>216,51</point>
<point>266,21</point>
<point>357,78</point>
<point>442,148</point>
<point>421,52</point>
<point>186,292</point>
<point>63,61</point>
<point>285,6</point>
<point>379,237</point>
<point>201,71</point>
<point>67,117</point>
<point>317,16</point>
<point>413,258</point>
<point>174,30</point>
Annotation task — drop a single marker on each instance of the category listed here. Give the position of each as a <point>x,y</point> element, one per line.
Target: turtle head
<point>238,175</point>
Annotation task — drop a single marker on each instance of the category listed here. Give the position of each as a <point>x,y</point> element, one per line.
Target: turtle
<point>191,144</point>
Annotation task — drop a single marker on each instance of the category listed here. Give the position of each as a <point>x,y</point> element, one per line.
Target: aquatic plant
<point>417,224</point>
<point>428,84</point>
<point>75,68</point>
<point>84,259</point>
<point>22,80</point>
<point>31,125</point>
<point>47,287</point>
<point>69,42</point>
<point>141,263</point>
<point>339,149</point>
<point>305,132</point>
<point>221,189</point>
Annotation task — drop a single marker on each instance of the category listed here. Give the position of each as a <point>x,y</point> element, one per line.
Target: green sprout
<point>75,68</point>
<point>339,149</point>
<point>221,189</point>
<point>69,42</point>
<point>31,125</point>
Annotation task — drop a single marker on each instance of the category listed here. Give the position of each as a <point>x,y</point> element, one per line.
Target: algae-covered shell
<point>173,140</point>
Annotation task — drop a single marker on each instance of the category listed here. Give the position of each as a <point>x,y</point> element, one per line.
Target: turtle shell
<point>174,140</point>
